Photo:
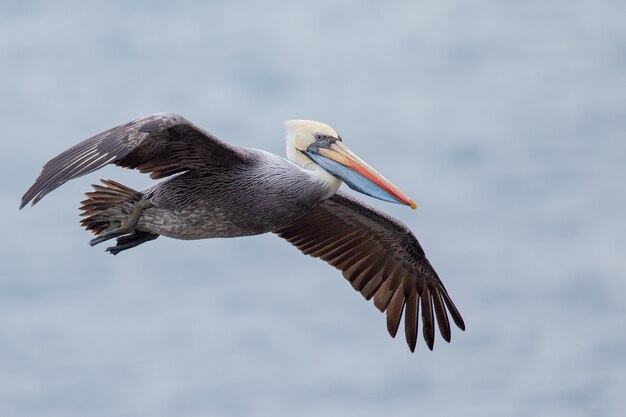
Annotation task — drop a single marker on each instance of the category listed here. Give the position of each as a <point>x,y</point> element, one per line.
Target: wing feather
<point>442,316</point>
<point>159,144</point>
<point>428,328</point>
<point>382,259</point>
<point>410,319</point>
<point>394,312</point>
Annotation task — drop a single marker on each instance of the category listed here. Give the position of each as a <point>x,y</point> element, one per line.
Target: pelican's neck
<point>330,183</point>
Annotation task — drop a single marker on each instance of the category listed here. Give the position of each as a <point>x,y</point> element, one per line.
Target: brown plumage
<point>104,198</point>
<point>161,145</point>
<point>382,259</point>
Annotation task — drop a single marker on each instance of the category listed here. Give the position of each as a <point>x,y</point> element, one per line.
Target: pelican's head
<point>316,146</point>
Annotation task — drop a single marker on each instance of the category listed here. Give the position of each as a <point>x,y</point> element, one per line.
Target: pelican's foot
<point>127,226</point>
<point>130,241</point>
<point>105,236</point>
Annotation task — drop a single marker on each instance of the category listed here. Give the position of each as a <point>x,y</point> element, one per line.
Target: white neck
<point>329,182</point>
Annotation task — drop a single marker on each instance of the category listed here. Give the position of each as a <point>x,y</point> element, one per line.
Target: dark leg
<point>130,241</point>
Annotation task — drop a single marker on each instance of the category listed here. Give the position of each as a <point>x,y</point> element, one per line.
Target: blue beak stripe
<point>352,178</point>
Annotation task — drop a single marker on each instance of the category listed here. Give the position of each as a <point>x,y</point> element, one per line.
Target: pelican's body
<point>213,189</point>
<point>189,206</point>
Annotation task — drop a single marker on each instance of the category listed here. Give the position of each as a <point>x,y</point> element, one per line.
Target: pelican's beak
<point>341,162</point>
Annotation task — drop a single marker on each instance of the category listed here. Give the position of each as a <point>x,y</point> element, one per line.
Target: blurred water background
<point>505,120</point>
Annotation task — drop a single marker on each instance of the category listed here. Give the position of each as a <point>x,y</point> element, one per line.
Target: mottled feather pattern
<point>244,199</point>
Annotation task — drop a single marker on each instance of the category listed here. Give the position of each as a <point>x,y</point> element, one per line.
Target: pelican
<point>214,189</point>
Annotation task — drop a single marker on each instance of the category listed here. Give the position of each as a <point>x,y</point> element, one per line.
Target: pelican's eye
<point>324,140</point>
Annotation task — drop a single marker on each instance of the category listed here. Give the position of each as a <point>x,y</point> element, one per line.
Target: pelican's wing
<point>161,144</point>
<point>382,259</point>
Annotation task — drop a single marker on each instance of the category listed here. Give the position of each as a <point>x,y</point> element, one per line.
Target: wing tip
<point>32,199</point>
<point>32,194</point>
<point>460,323</point>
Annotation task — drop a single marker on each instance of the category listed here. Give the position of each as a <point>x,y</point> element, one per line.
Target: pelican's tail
<point>107,210</point>
<point>107,206</point>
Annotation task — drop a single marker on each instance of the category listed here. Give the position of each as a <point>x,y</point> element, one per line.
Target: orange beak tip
<point>413,204</point>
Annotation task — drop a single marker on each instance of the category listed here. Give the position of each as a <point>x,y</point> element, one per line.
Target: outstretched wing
<point>382,259</point>
<point>160,144</point>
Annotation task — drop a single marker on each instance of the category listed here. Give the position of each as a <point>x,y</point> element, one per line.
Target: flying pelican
<point>219,190</point>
